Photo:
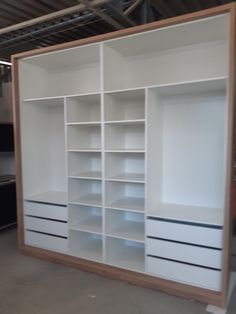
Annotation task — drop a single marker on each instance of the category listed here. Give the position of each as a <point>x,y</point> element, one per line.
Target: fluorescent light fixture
<point>5,62</point>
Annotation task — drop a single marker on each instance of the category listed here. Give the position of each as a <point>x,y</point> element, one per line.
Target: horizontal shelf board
<point>188,213</point>
<point>135,121</point>
<point>88,150</point>
<point>219,80</point>
<point>92,199</point>
<point>129,230</point>
<point>91,224</point>
<point>83,94</point>
<point>84,123</point>
<point>87,175</point>
<point>129,203</point>
<point>121,237</point>
<point>129,177</point>
<point>44,98</point>
<point>125,150</point>
<point>51,197</point>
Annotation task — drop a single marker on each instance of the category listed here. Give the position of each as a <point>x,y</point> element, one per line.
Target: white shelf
<point>92,199</point>
<point>128,203</point>
<point>52,197</point>
<point>91,224</point>
<point>84,123</point>
<point>87,175</point>
<point>85,245</point>
<point>126,150</point>
<point>126,122</point>
<point>125,254</point>
<point>128,177</point>
<point>85,150</point>
<point>126,225</point>
<point>195,214</point>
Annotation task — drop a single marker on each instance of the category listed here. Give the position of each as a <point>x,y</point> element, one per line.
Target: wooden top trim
<point>130,31</point>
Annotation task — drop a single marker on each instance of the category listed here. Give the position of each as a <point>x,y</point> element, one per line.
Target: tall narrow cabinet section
<point>124,146</point>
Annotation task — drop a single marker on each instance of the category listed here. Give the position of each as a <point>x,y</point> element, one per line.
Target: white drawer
<point>46,211</point>
<point>192,275</point>
<point>47,226</point>
<point>185,233</point>
<point>45,241</point>
<point>186,253</point>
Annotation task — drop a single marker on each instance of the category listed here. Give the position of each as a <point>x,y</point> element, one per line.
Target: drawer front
<point>45,241</point>
<point>187,274</point>
<point>47,226</point>
<point>185,253</point>
<point>185,233</point>
<point>46,211</point>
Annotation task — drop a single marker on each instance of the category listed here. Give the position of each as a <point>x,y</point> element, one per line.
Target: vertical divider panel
<point>67,172</point>
<point>103,149</point>
<point>145,170</point>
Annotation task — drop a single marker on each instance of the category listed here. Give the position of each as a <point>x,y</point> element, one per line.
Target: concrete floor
<point>32,286</point>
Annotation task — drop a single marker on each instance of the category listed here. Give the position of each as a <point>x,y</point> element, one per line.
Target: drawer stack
<point>46,226</point>
<point>190,253</point>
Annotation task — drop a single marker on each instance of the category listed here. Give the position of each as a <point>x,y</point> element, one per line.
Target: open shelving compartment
<point>83,109</point>
<point>166,55</point>
<point>186,152</point>
<point>66,72</point>
<point>125,253</point>
<point>43,151</point>
<point>85,192</point>
<point>85,218</point>
<point>125,224</point>
<point>124,105</point>
<point>85,245</point>
<point>84,137</point>
<point>125,195</point>
<point>85,165</point>
<point>125,137</point>
<point>125,167</point>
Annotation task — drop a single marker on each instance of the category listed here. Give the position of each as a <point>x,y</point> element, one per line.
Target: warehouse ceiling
<point>30,24</point>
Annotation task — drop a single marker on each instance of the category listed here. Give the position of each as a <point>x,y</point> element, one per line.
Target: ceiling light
<point>5,62</point>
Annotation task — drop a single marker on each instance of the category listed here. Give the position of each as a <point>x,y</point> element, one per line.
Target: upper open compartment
<point>185,52</point>
<point>66,72</point>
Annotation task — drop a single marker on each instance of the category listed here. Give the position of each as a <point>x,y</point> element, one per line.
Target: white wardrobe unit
<point>124,151</point>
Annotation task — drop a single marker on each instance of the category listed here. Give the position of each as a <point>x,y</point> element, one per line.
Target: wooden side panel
<point>231,138</point>
<point>16,118</point>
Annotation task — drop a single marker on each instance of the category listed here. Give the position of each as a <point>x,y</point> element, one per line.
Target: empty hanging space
<point>125,254</point>
<point>125,106</point>
<point>125,167</point>
<point>184,52</point>
<point>85,218</point>
<point>84,165</point>
<point>43,151</point>
<point>83,109</point>
<point>186,152</point>
<point>84,137</point>
<point>125,137</point>
<point>85,192</point>
<point>125,224</point>
<point>85,244</point>
<point>66,72</point>
<point>125,195</point>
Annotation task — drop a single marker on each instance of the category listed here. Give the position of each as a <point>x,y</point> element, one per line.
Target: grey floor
<point>32,286</point>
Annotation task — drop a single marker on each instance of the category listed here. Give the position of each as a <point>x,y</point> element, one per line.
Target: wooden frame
<point>204,295</point>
